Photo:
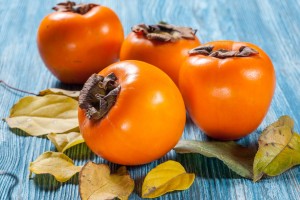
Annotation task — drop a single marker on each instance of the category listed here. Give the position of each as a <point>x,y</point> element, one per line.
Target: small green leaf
<point>166,177</point>
<point>96,182</point>
<point>69,93</point>
<point>279,149</point>
<point>238,158</point>
<point>43,115</point>
<point>55,163</point>
<point>65,141</point>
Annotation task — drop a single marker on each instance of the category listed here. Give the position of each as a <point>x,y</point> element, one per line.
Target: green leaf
<point>69,93</point>
<point>166,177</point>
<point>65,141</point>
<point>238,158</point>
<point>96,182</point>
<point>55,163</point>
<point>43,115</point>
<point>279,149</point>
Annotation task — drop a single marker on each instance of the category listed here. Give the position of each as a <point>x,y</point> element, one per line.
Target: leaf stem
<point>16,89</point>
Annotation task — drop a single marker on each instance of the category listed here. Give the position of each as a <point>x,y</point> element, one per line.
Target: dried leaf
<point>65,141</point>
<point>55,163</point>
<point>238,158</point>
<point>96,182</point>
<point>69,93</point>
<point>166,177</point>
<point>279,149</point>
<point>43,115</point>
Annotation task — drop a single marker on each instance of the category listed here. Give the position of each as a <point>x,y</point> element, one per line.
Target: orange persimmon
<point>79,40</point>
<point>227,87</point>
<point>131,113</point>
<point>163,45</point>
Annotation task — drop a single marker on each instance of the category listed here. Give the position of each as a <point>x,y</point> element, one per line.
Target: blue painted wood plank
<point>274,25</point>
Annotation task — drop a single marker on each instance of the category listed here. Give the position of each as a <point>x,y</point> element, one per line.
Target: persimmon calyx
<point>98,95</point>
<point>207,50</point>
<point>71,6</point>
<point>165,32</point>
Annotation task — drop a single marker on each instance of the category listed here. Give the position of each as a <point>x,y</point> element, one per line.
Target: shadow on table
<point>64,86</point>
<point>80,152</point>
<point>47,182</point>
<point>138,174</point>
<point>21,133</point>
<point>208,168</point>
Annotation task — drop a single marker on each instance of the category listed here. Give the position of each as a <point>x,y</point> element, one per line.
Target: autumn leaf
<point>65,141</point>
<point>166,177</point>
<point>279,149</point>
<point>69,93</point>
<point>55,163</point>
<point>238,158</point>
<point>96,182</point>
<point>43,115</point>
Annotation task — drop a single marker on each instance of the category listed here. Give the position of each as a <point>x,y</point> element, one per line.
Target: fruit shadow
<point>138,174</point>
<point>75,87</point>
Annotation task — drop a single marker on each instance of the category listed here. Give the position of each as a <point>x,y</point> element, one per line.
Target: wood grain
<point>274,25</point>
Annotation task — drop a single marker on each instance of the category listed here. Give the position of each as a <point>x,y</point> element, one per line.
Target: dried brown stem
<point>98,95</point>
<point>244,51</point>
<point>165,32</point>
<point>71,6</point>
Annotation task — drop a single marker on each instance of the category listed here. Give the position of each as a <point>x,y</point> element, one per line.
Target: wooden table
<point>274,25</point>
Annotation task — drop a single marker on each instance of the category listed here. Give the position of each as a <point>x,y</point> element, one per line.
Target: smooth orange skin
<point>228,98</point>
<point>168,56</point>
<point>74,46</point>
<point>146,121</point>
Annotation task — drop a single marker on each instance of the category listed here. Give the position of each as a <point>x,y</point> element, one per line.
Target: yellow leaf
<point>96,182</point>
<point>43,115</point>
<point>55,163</point>
<point>65,141</point>
<point>166,177</point>
<point>278,149</point>
<point>69,93</point>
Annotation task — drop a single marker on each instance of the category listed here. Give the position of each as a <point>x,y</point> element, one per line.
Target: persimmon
<point>163,45</point>
<point>79,40</point>
<point>227,87</point>
<point>131,113</point>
